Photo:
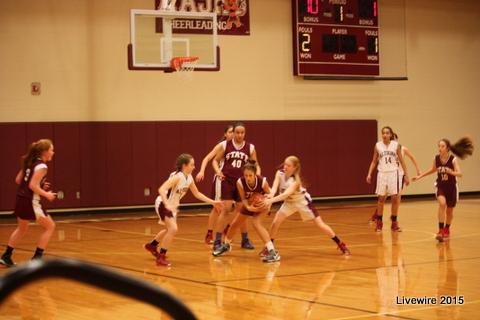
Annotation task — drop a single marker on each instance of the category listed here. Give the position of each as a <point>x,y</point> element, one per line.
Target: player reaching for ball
<point>251,188</point>
<point>296,199</point>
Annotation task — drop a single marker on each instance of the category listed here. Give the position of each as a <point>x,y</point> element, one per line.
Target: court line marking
<point>408,310</point>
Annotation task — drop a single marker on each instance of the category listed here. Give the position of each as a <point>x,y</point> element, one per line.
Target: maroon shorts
<point>25,209</point>
<point>450,193</point>
<point>162,212</point>
<point>229,190</point>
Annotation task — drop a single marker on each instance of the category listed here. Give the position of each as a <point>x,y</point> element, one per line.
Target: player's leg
<point>49,226</point>
<point>15,237</point>
<point>395,185</point>
<point>222,221</point>
<point>381,191</point>
<point>171,231</point>
<point>212,218</point>
<point>442,208</point>
<point>271,254</point>
<point>331,234</point>
<point>226,246</point>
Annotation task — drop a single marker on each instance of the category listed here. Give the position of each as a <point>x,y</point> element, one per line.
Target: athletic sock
<point>38,253</point>
<point>441,225</point>
<point>244,236</point>
<point>380,218</point>
<point>394,218</point>
<point>270,246</point>
<point>8,252</point>
<point>335,238</point>
<point>272,240</point>
<point>218,237</point>
<point>154,243</point>
<point>163,251</point>
<point>209,231</point>
<point>447,226</point>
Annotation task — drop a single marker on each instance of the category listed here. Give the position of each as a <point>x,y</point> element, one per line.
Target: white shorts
<point>162,212</point>
<point>304,207</point>
<point>388,183</point>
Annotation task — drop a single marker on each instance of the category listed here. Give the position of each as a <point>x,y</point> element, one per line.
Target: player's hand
<point>449,171</point>
<point>369,179</point>
<point>419,172</point>
<point>199,176</point>
<point>415,178</point>
<point>254,208</point>
<point>407,180</point>
<point>46,186</point>
<point>220,175</point>
<point>50,196</point>
<point>269,195</point>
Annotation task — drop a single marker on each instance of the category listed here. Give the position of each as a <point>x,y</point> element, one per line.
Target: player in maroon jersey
<point>213,216</point>
<point>233,154</point>
<point>447,168</point>
<point>32,185</point>
<point>247,186</point>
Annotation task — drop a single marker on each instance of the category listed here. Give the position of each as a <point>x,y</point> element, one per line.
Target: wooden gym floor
<point>312,281</point>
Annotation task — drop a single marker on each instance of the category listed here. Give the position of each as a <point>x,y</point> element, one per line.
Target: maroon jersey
<point>24,190</point>
<point>443,178</point>
<point>235,159</point>
<point>257,188</point>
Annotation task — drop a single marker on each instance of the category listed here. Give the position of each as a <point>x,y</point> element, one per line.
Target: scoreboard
<point>335,38</point>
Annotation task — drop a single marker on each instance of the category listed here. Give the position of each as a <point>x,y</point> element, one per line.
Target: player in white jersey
<point>405,153</point>
<point>387,156</point>
<point>166,205</point>
<point>296,199</point>
<point>213,216</point>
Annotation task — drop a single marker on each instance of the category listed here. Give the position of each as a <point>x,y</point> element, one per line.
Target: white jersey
<point>299,195</point>
<point>180,189</point>
<point>388,159</point>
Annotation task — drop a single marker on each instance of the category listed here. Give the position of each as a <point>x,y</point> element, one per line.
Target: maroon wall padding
<point>93,161</point>
<point>13,146</point>
<point>67,164</point>
<point>144,162</point>
<point>111,163</point>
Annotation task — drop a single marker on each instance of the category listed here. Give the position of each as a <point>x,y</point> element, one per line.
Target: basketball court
<point>127,89</point>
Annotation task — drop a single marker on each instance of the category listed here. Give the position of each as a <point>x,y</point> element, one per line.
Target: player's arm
<point>216,162</point>
<point>254,156</point>
<point>409,154</point>
<point>426,173</point>
<point>290,190</point>
<point>200,196</point>
<point>372,165</point>
<point>402,163</point>
<point>167,185</point>
<point>34,184</point>
<point>245,203</point>
<point>208,157</point>
<point>276,183</point>
<point>19,177</point>
<point>456,169</point>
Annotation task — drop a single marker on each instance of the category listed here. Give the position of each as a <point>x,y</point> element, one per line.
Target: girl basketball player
<point>212,218</point>
<point>296,199</point>
<point>233,155</point>
<point>247,186</point>
<point>166,205</point>
<point>448,169</point>
<point>388,155</point>
<point>32,186</point>
<point>405,152</point>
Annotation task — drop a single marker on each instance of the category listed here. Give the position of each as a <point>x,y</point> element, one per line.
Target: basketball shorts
<point>228,190</point>
<point>450,192</point>
<point>29,209</point>
<point>305,207</point>
<point>388,183</point>
<point>162,212</point>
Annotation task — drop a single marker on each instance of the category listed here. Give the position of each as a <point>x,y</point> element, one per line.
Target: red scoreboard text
<point>335,37</point>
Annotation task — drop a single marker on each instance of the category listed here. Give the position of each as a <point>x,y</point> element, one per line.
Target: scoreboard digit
<point>335,38</point>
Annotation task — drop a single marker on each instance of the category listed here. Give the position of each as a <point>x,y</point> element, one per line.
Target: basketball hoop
<point>183,64</point>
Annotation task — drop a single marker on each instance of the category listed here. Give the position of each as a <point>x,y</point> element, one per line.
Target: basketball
<point>256,199</point>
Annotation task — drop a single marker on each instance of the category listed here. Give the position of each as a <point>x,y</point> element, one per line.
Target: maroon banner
<point>233,16</point>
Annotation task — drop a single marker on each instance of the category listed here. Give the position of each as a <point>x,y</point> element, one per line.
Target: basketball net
<point>184,66</point>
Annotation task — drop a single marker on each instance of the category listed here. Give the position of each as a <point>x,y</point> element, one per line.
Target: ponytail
<point>182,160</point>
<point>250,165</point>
<point>35,151</point>
<point>462,148</point>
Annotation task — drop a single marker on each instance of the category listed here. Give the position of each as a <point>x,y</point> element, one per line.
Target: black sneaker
<point>272,256</point>
<point>7,261</point>
<point>222,249</point>
<point>246,244</point>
